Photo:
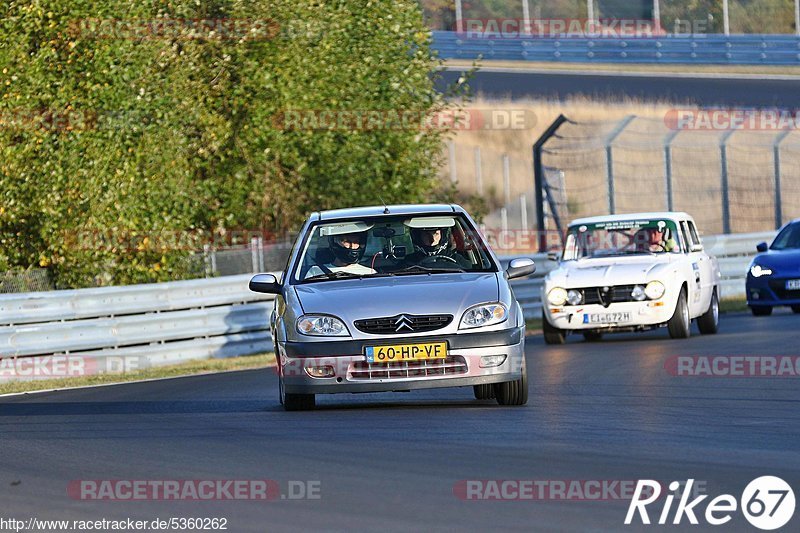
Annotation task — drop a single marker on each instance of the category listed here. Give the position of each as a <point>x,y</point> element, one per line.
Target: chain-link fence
<point>732,180</point>
<point>31,280</point>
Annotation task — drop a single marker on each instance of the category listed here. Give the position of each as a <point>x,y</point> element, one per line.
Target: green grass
<point>190,368</point>
<point>733,305</point>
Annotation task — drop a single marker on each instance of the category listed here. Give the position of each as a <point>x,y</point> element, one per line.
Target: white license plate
<point>606,318</point>
<point>792,284</point>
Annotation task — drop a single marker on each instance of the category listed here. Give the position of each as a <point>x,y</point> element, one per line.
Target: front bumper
<point>353,374</point>
<point>770,291</point>
<point>642,314</point>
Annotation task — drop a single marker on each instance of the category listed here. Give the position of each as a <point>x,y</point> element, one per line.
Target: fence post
<point>526,16</point>
<point>478,171</point>
<point>254,254</point>
<point>459,21</point>
<point>506,180</point>
<point>776,161</point>
<point>726,21</point>
<point>797,16</point>
<point>612,207</point>
<point>726,206</point>
<point>451,150</point>
<point>538,177</point>
<point>261,254</point>
<point>207,259</point>
<point>523,212</point>
<point>668,168</point>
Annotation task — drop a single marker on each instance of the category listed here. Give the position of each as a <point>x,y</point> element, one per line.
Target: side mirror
<point>696,248</point>
<point>762,247</point>
<point>266,283</point>
<point>553,256</point>
<point>520,267</point>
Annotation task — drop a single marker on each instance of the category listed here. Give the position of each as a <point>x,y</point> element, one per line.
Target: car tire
<point>295,402</point>
<point>709,321</point>
<point>552,335</point>
<point>680,324</point>
<point>592,336</point>
<point>761,310</point>
<point>796,309</point>
<point>484,392</point>
<point>513,392</point>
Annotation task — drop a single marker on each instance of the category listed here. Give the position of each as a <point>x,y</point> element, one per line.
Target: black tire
<point>680,324</point>
<point>552,335</point>
<point>761,310</point>
<point>592,336</point>
<point>513,392</point>
<point>296,402</point>
<point>796,309</point>
<point>484,392</point>
<point>709,321</point>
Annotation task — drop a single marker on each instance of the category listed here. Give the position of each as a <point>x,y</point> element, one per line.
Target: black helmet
<point>348,255</point>
<point>444,242</point>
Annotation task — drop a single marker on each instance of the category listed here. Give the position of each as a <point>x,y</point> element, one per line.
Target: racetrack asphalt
<point>716,91</point>
<point>390,462</point>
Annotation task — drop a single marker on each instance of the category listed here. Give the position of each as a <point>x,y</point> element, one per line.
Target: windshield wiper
<point>623,252</point>
<point>417,269</point>
<point>339,274</point>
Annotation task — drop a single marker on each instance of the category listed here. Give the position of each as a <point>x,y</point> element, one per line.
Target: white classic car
<point>631,273</point>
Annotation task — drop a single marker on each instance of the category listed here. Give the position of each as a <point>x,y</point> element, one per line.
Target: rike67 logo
<point>767,503</point>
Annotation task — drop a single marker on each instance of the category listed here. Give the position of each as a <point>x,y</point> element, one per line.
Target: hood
<point>783,262</point>
<point>609,271</point>
<point>351,300</point>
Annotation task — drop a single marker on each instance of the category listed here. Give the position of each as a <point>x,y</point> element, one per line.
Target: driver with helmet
<point>432,247</point>
<point>653,240</point>
<point>346,250</point>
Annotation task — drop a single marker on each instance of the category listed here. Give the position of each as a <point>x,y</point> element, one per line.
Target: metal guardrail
<point>702,49</point>
<point>167,323</point>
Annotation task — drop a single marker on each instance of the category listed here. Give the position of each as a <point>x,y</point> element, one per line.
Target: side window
<point>693,231</point>
<point>687,241</point>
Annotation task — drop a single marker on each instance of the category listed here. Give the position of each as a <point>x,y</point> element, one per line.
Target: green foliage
<point>110,146</point>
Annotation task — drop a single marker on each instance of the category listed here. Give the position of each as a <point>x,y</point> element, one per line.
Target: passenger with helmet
<point>653,240</point>
<point>343,255</point>
<point>432,247</point>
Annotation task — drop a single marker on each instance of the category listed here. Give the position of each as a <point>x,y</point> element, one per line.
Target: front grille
<point>616,294</point>
<point>451,365</point>
<point>778,286</point>
<point>403,324</point>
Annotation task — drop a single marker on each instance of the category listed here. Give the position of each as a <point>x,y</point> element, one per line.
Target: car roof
<point>379,210</point>
<point>669,215</point>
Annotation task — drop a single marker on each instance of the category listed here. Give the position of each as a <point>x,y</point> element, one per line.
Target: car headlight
<point>638,293</point>
<point>757,271</point>
<point>321,325</point>
<point>557,296</point>
<point>483,315</point>
<point>654,290</point>
<point>574,297</point>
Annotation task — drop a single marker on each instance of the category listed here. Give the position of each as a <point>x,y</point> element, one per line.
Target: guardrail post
<point>538,177</point>
<point>726,206</point>
<point>668,168</point>
<point>776,161</point>
<point>609,142</point>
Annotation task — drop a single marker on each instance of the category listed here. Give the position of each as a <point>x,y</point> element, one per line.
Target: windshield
<point>391,246</point>
<point>788,238</point>
<point>627,237</point>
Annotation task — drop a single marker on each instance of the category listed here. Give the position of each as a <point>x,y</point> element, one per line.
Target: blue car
<point>774,275</point>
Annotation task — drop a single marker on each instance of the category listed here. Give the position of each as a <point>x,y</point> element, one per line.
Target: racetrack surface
<point>389,462</point>
<point>653,87</point>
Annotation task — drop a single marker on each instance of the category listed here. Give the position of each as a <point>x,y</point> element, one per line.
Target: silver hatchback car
<point>396,298</point>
